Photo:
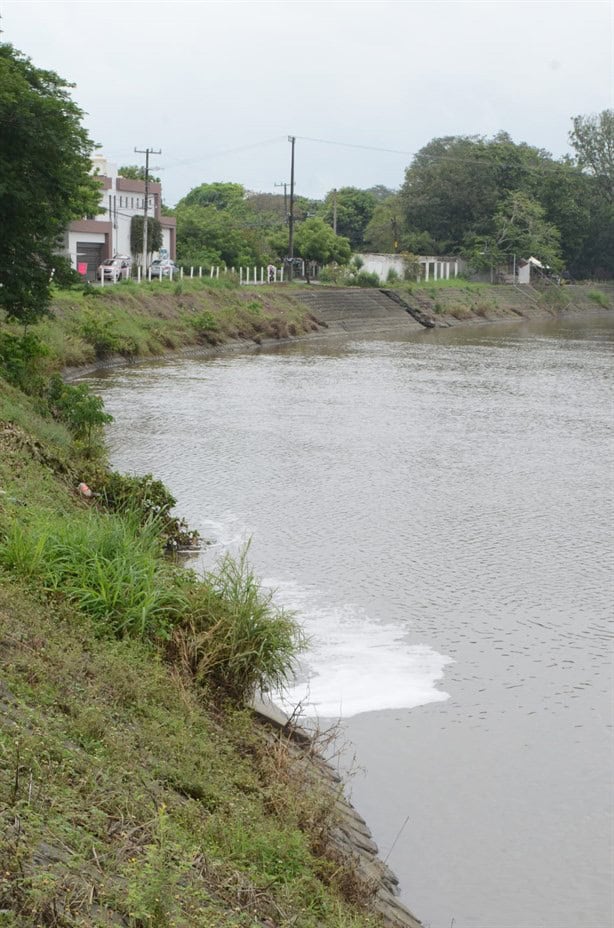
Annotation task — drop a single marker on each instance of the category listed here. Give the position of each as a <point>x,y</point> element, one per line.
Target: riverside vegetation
<point>136,788</point>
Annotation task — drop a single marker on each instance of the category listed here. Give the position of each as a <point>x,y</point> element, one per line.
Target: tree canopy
<point>316,241</point>
<point>354,209</point>
<point>44,181</point>
<point>135,172</point>
<point>470,195</point>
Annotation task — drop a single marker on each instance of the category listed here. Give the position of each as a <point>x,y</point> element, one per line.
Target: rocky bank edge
<point>351,835</point>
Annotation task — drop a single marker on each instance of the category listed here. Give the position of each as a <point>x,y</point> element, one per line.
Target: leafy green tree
<point>207,235</point>
<point>316,241</point>
<point>520,227</point>
<point>154,234</point>
<point>354,211</point>
<point>44,181</point>
<point>592,138</point>
<point>383,233</point>
<point>220,196</point>
<point>135,172</point>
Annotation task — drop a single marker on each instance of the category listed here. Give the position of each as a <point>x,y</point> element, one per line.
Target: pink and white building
<point>88,241</point>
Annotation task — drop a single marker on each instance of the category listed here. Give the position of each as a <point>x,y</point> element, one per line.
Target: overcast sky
<point>202,79</point>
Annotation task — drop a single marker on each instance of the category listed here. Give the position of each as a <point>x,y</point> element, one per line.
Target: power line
<point>217,154</point>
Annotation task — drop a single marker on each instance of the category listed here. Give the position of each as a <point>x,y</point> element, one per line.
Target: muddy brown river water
<point>438,509</point>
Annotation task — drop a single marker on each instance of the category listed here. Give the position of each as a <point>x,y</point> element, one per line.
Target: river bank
<point>131,792</point>
<point>126,324</point>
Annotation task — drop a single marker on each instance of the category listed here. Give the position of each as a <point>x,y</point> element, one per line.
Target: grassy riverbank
<point>151,319</point>
<point>135,787</point>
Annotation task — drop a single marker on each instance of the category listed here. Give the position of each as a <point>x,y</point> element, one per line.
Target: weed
<point>233,634</point>
<point>598,297</point>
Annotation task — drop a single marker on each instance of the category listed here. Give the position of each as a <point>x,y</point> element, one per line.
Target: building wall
<point>120,200</point>
<point>381,264</point>
<point>432,267</point>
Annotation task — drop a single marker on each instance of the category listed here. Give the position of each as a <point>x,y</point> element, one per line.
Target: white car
<point>117,268</point>
<point>163,267</point>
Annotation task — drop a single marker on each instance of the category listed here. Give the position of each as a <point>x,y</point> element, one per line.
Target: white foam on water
<point>356,664</point>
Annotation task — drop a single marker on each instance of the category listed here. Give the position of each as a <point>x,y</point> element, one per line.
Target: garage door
<point>90,255</point>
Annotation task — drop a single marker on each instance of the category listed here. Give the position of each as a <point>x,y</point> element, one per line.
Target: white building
<point>88,241</point>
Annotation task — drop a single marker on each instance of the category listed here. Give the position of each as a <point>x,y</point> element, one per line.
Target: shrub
<point>366,279</point>
<point>597,296</point>
<point>19,357</point>
<point>82,411</point>
<point>233,634</point>
<point>392,277</point>
<point>149,499</point>
<point>99,331</point>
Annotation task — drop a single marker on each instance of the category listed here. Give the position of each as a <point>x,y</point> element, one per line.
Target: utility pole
<point>284,184</point>
<point>292,140</point>
<point>335,210</point>
<point>147,152</point>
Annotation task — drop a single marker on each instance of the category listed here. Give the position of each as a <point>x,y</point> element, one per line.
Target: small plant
<point>149,499</point>
<point>205,322</point>
<point>99,330</point>
<point>392,277</point>
<point>600,298</point>
<point>82,411</point>
<point>233,635</point>
<point>19,359</point>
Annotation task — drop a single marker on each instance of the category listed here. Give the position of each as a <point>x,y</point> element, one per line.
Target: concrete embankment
<point>351,835</point>
<point>364,312</point>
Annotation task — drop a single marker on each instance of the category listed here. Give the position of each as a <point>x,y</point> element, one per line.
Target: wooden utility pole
<point>147,152</point>
<point>284,184</point>
<point>335,210</point>
<point>292,140</point>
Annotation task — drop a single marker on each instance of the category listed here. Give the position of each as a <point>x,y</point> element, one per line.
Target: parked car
<point>116,268</point>
<point>164,267</point>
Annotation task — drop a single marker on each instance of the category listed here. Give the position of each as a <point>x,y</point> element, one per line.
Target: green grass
<point>132,789</point>
<point>600,298</point>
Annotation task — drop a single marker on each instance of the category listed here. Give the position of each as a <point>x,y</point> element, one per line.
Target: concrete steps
<point>356,310</point>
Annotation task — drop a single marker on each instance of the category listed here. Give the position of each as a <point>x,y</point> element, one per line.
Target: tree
<point>44,181</point>
<point>154,235</point>
<point>221,196</point>
<point>136,172</point>
<point>592,138</point>
<point>316,241</point>
<point>382,234</point>
<point>354,211</point>
<point>521,228</point>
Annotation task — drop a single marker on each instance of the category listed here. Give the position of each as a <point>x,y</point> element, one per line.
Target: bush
<point>234,635</point>
<point>597,296</point>
<point>19,357</point>
<point>149,499</point>
<point>82,411</point>
<point>366,279</point>
<point>99,331</point>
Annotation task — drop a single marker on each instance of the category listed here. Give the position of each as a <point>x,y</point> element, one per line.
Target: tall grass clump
<point>598,297</point>
<point>108,567</point>
<point>234,635</point>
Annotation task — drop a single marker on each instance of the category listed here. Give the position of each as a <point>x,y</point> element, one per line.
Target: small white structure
<point>524,269</point>
<point>88,241</point>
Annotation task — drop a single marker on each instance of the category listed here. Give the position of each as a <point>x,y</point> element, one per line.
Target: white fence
<point>247,275</point>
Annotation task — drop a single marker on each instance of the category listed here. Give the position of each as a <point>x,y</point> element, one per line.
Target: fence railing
<point>246,275</point>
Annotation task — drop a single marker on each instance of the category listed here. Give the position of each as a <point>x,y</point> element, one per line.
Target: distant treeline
<point>483,198</point>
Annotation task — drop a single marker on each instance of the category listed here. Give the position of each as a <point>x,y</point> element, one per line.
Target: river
<point>438,510</point>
